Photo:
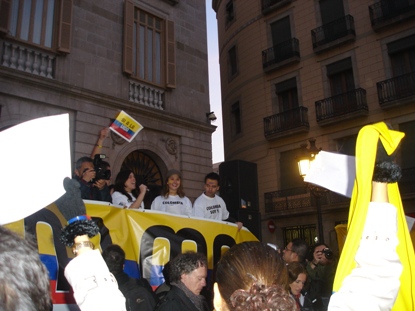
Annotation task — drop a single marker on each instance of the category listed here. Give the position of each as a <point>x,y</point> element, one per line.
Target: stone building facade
<point>93,59</point>
<point>294,71</point>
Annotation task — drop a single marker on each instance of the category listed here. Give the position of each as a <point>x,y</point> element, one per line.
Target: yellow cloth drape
<point>366,146</point>
<point>341,232</point>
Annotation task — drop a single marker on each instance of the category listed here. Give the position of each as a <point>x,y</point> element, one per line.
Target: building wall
<point>90,85</point>
<point>254,88</point>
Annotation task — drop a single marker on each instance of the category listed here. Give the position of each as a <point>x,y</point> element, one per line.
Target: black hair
<point>185,263</point>
<point>119,185</point>
<point>213,176</point>
<point>300,247</point>
<point>114,257</point>
<point>386,170</point>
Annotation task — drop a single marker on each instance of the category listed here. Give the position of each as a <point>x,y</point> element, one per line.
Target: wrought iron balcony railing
<point>395,89</point>
<point>281,52</point>
<point>342,104</point>
<point>386,10</point>
<point>287,120</point>
<point>337,29</point>
<point>270,5</point>
<point>299,198</point>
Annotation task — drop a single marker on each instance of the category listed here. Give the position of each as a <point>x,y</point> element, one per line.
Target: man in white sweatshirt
<point>211,206</point>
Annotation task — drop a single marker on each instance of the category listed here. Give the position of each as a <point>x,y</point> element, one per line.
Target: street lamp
<point>304,160</point>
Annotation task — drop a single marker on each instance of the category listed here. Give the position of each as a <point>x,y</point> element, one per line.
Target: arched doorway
<point>146,172</point>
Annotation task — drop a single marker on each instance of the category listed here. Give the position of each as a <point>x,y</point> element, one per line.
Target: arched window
<point>146,172</point>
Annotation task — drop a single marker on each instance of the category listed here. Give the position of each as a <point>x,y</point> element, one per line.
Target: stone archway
<point>146,171</point>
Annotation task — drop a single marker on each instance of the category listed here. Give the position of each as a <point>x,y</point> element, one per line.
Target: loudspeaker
<point>239,186</point>
<point>251,220</point>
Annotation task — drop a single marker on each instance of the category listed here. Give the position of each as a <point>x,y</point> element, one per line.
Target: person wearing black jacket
<point>91,189</point>
<point>188,272</point>
<point>139,295</point>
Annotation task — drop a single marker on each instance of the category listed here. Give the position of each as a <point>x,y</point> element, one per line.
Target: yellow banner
<point>149,238</point>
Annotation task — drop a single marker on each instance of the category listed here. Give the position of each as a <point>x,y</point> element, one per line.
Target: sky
<point>214,82</point>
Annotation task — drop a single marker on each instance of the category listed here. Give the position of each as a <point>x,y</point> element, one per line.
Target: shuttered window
<point>42,23</point>
<point>341,76</point>
<point>287,95</point>
<point>232,62</point>
<point>149,47</point>
<point>402,55</point>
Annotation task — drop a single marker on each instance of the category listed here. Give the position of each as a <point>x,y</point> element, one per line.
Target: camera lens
<point>328,253</point>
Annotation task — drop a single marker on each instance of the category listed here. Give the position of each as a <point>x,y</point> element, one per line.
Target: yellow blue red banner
<point>150,239</point>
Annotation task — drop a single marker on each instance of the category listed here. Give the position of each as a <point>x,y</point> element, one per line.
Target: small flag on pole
<point>125,126</point>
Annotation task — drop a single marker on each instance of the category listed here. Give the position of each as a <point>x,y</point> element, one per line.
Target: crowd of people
<point>94,178</point>
<point>249,276</point>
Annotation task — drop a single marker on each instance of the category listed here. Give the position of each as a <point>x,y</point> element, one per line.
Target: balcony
<point>282,54</point>
<point>396,91</point>
<point>270,5</point>
<point>286,123</point>
<point>146,95</point>
<point>333,34</point>
<point>345,106</point>
<point>300,200</point>
<point>389,12</point>
<point>28,59</point>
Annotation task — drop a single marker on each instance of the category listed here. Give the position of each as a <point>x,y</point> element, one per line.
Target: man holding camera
<point>91,189</point>
<point>321,270</point>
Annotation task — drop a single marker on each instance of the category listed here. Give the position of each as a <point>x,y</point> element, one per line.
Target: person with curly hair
<point>251,276</point>
<point>187,277</point>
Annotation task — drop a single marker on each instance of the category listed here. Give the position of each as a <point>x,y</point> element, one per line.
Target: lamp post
<point>304,160</point>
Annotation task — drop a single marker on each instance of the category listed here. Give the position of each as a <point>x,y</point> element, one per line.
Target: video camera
<point>101,167</point>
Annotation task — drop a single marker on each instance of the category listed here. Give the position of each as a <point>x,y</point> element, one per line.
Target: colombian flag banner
<point>149,238</point>
<point>125,126</point>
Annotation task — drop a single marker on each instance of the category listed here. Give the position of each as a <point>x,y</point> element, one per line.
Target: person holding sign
<point>103,134</point>
<point>173,200</point>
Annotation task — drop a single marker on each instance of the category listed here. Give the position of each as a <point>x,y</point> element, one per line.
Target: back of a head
<point>300,247</point>
<point>24,280</point>
<point>114,257</point>
<point>185,263</point>
<point>252,276</point>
